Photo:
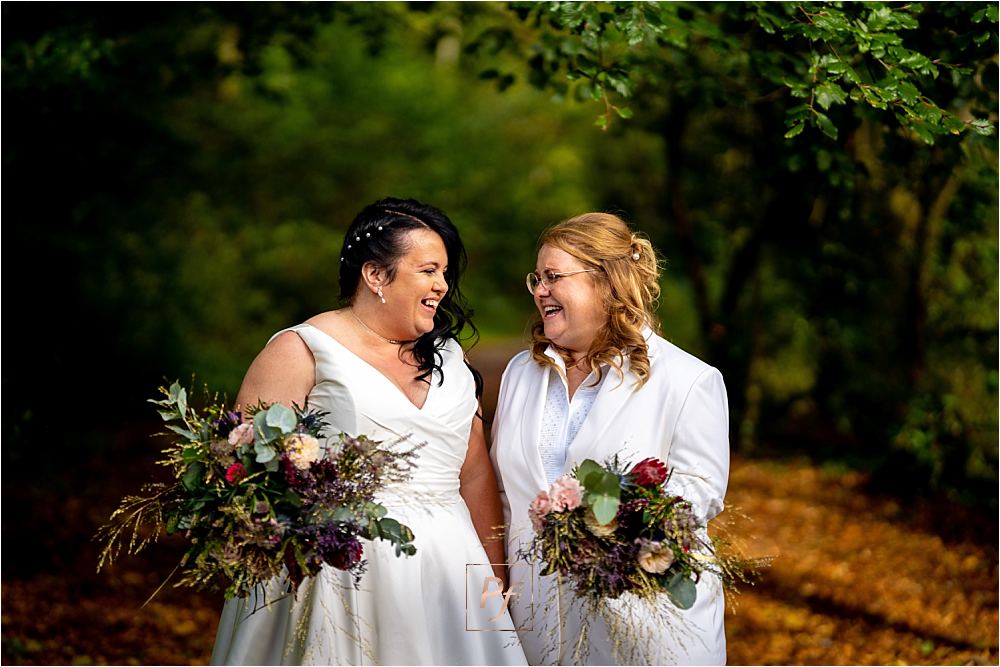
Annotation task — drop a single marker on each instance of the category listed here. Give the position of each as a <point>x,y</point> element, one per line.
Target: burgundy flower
<point>649,472</point>
<point>347,555</point>
<point>338,544</point>
<point>235,473</point>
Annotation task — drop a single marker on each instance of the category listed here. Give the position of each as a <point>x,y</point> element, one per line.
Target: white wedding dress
<point>422,609</point>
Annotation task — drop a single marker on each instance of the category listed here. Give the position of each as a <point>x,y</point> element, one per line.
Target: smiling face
<point>572,309</point>
<point>418,285</point>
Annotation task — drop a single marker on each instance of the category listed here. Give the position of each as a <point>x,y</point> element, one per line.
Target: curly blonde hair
<point>628,281</point>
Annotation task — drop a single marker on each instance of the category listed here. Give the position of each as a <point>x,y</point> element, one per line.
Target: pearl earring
<point>380,296</point>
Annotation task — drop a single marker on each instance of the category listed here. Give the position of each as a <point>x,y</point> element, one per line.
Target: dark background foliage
<point>821,179</point>
<point>179,178</point>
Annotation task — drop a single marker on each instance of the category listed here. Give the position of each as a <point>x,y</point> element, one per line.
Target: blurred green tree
<point>827,182</point>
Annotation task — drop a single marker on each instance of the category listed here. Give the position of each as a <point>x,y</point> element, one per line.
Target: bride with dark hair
<point>388,364</point>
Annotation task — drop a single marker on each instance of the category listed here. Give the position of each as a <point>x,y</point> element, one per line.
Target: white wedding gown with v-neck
<point>422,609</point>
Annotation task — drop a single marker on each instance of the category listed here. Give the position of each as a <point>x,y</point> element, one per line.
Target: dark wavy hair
<point>377,235</point>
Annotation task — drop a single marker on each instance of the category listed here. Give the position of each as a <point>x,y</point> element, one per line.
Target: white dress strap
<point>297,329</point>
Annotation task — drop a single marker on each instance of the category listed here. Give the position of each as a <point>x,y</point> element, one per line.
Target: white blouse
<point>562,417</point>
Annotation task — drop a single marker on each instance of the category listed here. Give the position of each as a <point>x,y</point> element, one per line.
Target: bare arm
<point>283,372</point>
<point>478,486</point>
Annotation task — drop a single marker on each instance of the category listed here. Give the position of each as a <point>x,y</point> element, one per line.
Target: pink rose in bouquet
<point>241,435</point>
<point>565,493</point>
<point>540,506</point>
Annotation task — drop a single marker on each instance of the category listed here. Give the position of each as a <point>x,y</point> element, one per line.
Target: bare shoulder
<point>283,372</point>
<point>287,346</point>
<point>334,323</point>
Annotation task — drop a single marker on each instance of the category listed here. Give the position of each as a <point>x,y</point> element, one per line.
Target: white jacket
<point>681,416</point>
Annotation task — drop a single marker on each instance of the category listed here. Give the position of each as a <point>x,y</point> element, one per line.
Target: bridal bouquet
<point>609,531</point>
<point>258,496</point>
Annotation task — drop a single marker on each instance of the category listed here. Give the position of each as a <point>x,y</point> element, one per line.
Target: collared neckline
<point>647,335</point>
<point>561,368</point>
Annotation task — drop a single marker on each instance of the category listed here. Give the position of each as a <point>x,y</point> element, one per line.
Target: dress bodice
<point>361,400</point>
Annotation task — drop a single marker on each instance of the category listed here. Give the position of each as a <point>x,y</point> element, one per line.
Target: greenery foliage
<point>822,262</point>
<point>820,176</point>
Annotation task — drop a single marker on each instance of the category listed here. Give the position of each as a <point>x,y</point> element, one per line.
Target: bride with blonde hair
<point>599,380</point>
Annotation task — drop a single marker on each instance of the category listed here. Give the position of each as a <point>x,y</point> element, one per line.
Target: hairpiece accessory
<point>635,256</point>
<point>368,234</point>
<point>392,341</point>
<point>380,293</point>
<point>405,215</point>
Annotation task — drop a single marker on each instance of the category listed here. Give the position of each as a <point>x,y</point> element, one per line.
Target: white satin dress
<point>423,609</point>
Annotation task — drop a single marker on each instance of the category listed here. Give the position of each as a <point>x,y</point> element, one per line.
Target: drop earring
<point>380,296</point>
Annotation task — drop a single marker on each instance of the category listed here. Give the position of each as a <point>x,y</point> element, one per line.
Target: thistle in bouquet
<point>610,529</point>
<point>262,494</point>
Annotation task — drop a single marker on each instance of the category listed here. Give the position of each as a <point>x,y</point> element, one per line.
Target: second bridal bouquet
<point>261,494</point>
<point>610,530</point>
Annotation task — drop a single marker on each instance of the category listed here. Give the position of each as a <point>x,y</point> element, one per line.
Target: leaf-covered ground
<point>856,579</point>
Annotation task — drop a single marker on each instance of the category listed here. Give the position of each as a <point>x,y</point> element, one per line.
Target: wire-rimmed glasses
<point>533,280</point>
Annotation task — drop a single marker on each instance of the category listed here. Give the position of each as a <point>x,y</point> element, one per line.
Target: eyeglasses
<point>533,280</point>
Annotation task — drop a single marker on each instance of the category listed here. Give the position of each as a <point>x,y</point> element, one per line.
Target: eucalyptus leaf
<point>180,430</point>
<point>605,508</point>
<point>682,591</point>
<point>281,417</point>
<point>585,469</point>
<point>264,452</point>
<point>264,432</point>
<point>603,495</point>
<point>182,405</point>
<point>390,529</point>
<point>375,510</point>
